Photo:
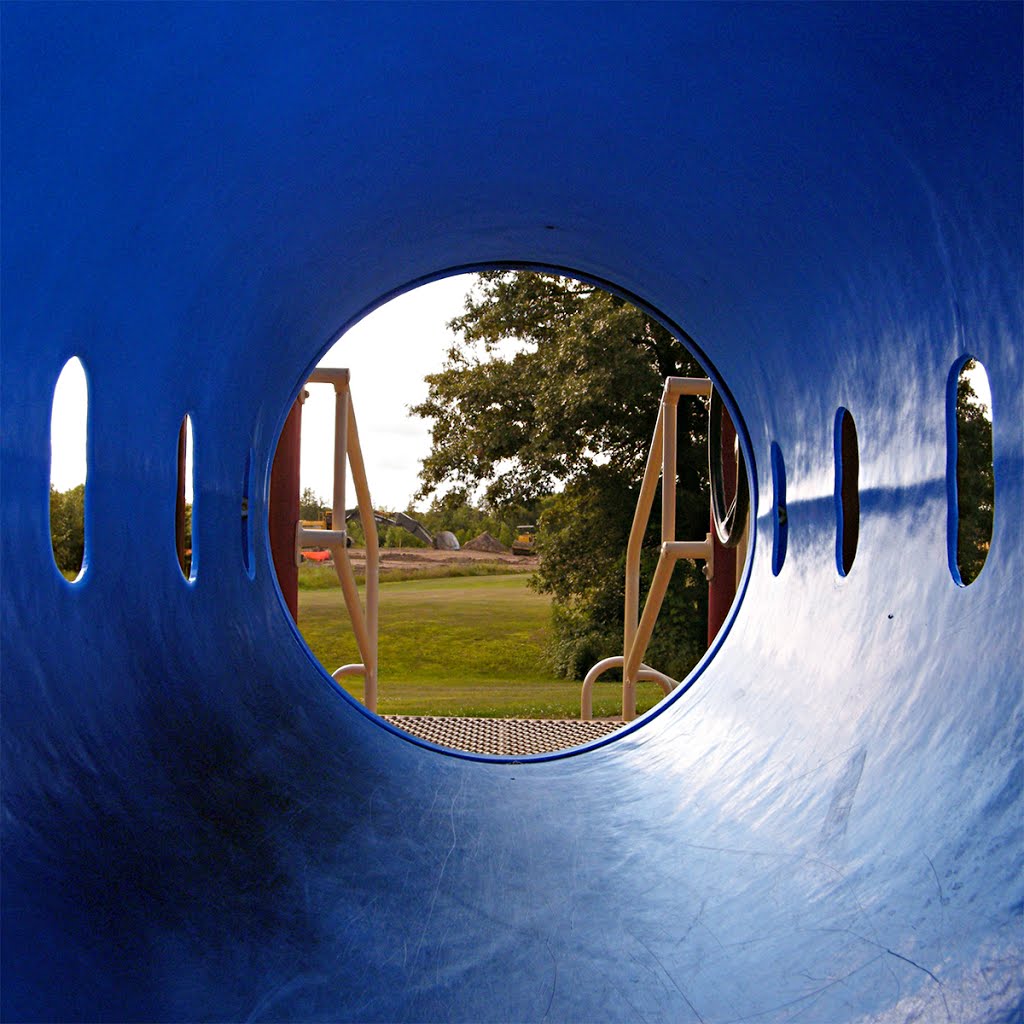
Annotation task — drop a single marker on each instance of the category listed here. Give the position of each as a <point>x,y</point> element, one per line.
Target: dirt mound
<point>485,542</point>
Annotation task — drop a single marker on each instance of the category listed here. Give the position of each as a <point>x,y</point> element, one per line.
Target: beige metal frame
<point>346,448</point>
<point>661,462</point>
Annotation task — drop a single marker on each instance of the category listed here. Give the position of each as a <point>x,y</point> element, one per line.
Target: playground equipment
<point>822,823</point>
<point>661,461</point>
<point>729,521</point>
<point>347,451</point>
<point>363,615</point>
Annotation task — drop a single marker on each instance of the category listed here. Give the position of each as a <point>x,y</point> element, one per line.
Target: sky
<point>388,353</point>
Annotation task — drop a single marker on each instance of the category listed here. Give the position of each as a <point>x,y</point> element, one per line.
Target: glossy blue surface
<point>826,826</point>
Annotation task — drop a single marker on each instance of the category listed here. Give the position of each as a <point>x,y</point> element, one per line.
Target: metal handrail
<point>661,462</point>
<point>645,673</point>
<point>347,449</point>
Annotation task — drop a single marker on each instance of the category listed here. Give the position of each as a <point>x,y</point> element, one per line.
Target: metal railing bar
<point>637,628</point>
<point>645,674</point>
<point>348,453</point>
<point>355,458</point>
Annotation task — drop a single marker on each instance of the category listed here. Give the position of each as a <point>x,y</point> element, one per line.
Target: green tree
<point>399,537</point>
<point>975,490</point>
<point>455,511</point>
<point>560,422</point>
<point>355,533</point>
<point>67,527</point>
<point>311,505</point>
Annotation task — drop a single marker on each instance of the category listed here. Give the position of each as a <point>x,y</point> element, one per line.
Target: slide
<point>824,824</point>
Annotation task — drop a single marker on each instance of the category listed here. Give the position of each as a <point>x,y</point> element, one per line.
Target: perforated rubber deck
<point>509,737</point>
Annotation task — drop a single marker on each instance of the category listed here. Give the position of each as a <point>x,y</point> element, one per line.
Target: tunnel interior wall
<point>826,824</point>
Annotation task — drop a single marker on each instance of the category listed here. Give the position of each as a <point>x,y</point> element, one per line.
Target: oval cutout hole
<point>183,502</point>
<point>847,496</point>
<point>970,474</point>
<point>780,521</point>
<point>247,520</point>
<point>69,418</point>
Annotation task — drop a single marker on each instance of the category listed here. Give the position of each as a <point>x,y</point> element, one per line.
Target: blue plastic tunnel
<point>826,826</point>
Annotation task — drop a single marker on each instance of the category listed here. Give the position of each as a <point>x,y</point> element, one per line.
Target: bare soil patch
<point>414,560</point>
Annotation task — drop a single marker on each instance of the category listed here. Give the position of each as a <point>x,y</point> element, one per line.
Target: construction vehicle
<point>444,541</point>
<point>526,540</point>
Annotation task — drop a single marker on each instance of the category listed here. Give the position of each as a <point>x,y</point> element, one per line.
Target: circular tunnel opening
<point>491,518</point>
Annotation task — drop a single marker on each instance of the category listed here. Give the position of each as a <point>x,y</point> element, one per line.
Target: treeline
<point>67,527</point>
<point>454,512</point>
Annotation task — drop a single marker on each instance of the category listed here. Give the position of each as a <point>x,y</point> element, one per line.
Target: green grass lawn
<point>471,646</point>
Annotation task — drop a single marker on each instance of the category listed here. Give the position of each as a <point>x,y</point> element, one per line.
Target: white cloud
<point>388,354</point>
<point>68,427</point>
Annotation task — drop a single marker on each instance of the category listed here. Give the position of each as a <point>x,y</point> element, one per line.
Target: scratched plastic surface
<point>826,825</point>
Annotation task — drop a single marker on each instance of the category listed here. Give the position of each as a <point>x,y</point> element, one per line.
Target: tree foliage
<point>547,401</point>
<point>67,527</point>
<point>456,512</point>
<point>453,511</point>
<point>581,387</point>
<point>975,480</point>
<point>311,506</point>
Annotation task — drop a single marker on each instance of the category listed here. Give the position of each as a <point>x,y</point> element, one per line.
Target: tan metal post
<point>347,452</point>
<point>669,408</point>
<point>637,631</point>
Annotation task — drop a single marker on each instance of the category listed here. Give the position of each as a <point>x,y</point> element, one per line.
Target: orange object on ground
<point>316,556</point>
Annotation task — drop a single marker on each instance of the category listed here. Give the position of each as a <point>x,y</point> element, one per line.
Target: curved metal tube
<point>349,670</point>
<point>645,673</point>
